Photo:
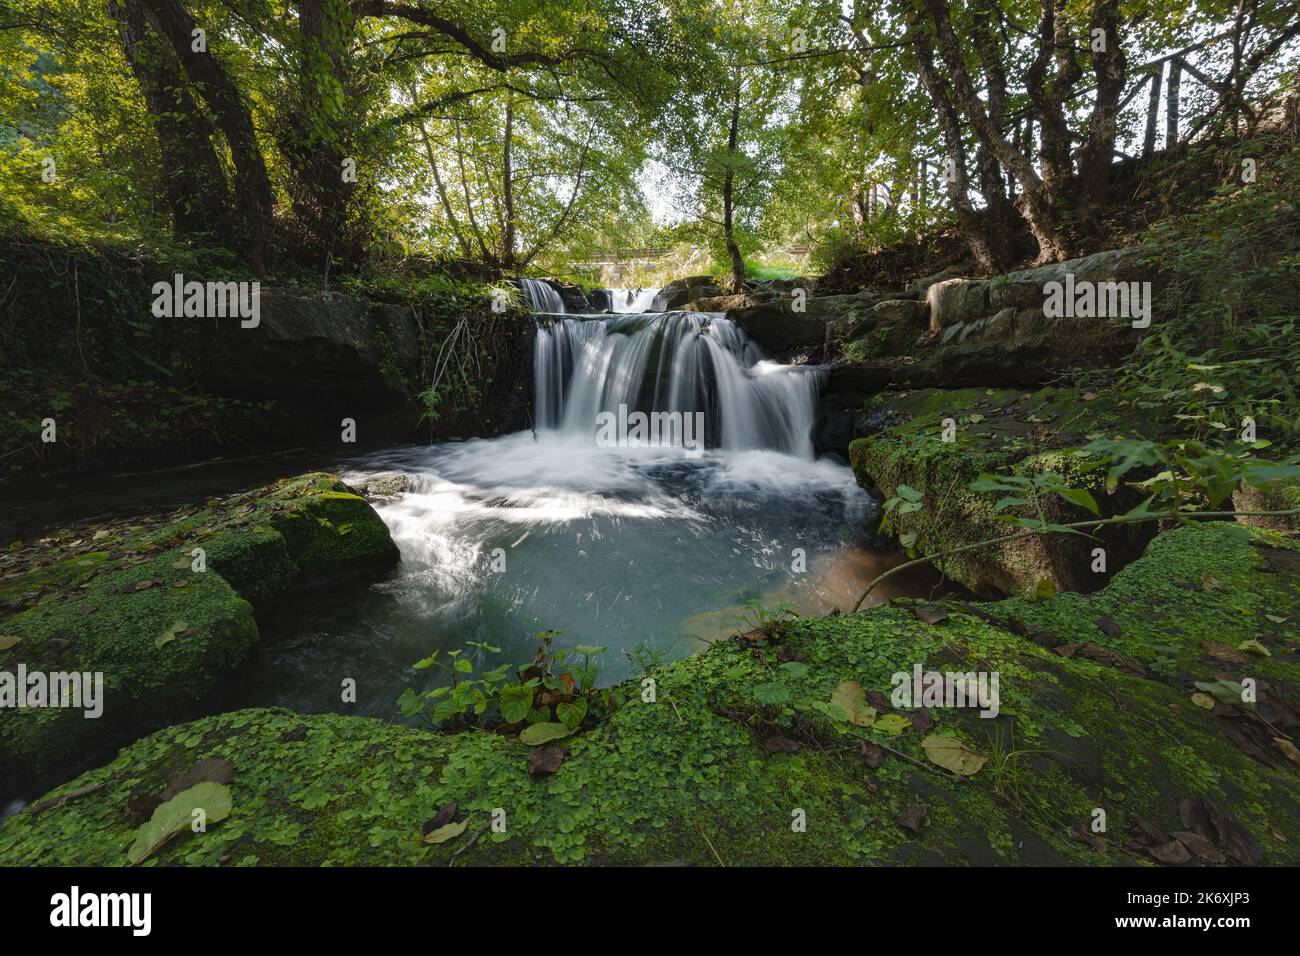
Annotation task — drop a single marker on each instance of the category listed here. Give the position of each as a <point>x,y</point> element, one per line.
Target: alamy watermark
<point>1086,299</point>
<point>923,688</point>
<point>75,908</point>
<point>208,300</point>
<point>22,689</point>
<point>651,430</point>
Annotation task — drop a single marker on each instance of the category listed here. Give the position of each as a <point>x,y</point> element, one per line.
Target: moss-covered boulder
<point>160,607</point>
<point>997,430</point>
<point>738,759</point>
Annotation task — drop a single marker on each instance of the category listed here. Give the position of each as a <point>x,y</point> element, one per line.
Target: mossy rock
<point>79,609</point>
<point>1198,606</point>
<point>1005,431</point>
<point>688,778</point>
<point>113,627</point>
<point>329,530</point>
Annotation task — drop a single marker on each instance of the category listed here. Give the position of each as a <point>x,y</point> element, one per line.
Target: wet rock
<point>384,487</point>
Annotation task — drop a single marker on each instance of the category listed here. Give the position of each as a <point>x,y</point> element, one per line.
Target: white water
<point>542,297</point>
<point>504,537</point>
<point>632,300</point>
<point>673,362</point>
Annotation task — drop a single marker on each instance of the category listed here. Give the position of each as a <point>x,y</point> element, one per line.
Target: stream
<point>649,551</point>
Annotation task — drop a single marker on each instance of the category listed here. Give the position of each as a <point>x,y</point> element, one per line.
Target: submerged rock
<point>727,766</point>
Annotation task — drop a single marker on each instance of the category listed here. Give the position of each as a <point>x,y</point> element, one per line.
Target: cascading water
<point>673,362</point>
<point>542,297</point>
<point>632,300</point>
<point>630,548</point>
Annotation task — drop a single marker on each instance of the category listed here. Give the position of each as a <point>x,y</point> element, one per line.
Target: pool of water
<point>624,548</point>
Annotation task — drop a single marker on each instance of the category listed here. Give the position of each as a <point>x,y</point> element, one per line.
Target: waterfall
<point>632,300</point>
<point>542,297</point>
<point>673,362</point>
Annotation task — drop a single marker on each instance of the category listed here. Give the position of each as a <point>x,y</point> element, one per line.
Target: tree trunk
<point>955,177</point>
<point>728,188</point>
<point>193,180</point>
<point>508,217</point>
<point>1095,157</point>
<point>318,135</point>
<point>254,198</point>
<point>1171,103</point>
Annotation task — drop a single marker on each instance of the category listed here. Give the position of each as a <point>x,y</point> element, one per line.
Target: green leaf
<point>571,715</point>
<point>543,733</point>
<point>1081,498</point>
<point>1227,691</point>
<point>177,814</point>
<point>772,692</point>
<point>516,701</point>
<point>169,635</point>
<point>892,724</point>
<point>1255,647</point>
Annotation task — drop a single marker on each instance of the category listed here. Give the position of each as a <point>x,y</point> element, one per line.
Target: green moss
<point>1195,586</point>
<point>102,611</point>
<point>111,628</point>
<point>328,529</point>
<point>47,581</point>
<point>996,431</point>
<point>687,778</point>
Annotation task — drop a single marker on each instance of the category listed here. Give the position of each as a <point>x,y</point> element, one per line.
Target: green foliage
<point>1227,346</point>
<point>558,688</point>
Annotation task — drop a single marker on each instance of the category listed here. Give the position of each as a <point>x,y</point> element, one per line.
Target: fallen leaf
<point>913,817</point>
<point>931,613</point>
<point>1203,700</point>
<point>143,585</point>
<point>893,724</point>
<point>1172,853</point>
<point>1150,832</point>
<point>872,755</point>
<point>1225,691</point>
<point>207,770</point>
<point>177,814</point>
<point>922,721</point>
<point>952,754</point>
<point>440,819</point>
<point>1288,748</point>
<point>780,745</point>
<point>169,635</point>
<point>1221,828</point>
<point>447,832</point>
<point>1254,647</point>
<point>852,699</point>
<point>1224,652</point>
<point>8,641</point>
<point>1200,846</point>
<point>546,760</point>
<point>1094,840</point>
<point>1109,627</point>
<point>1275,619</point>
